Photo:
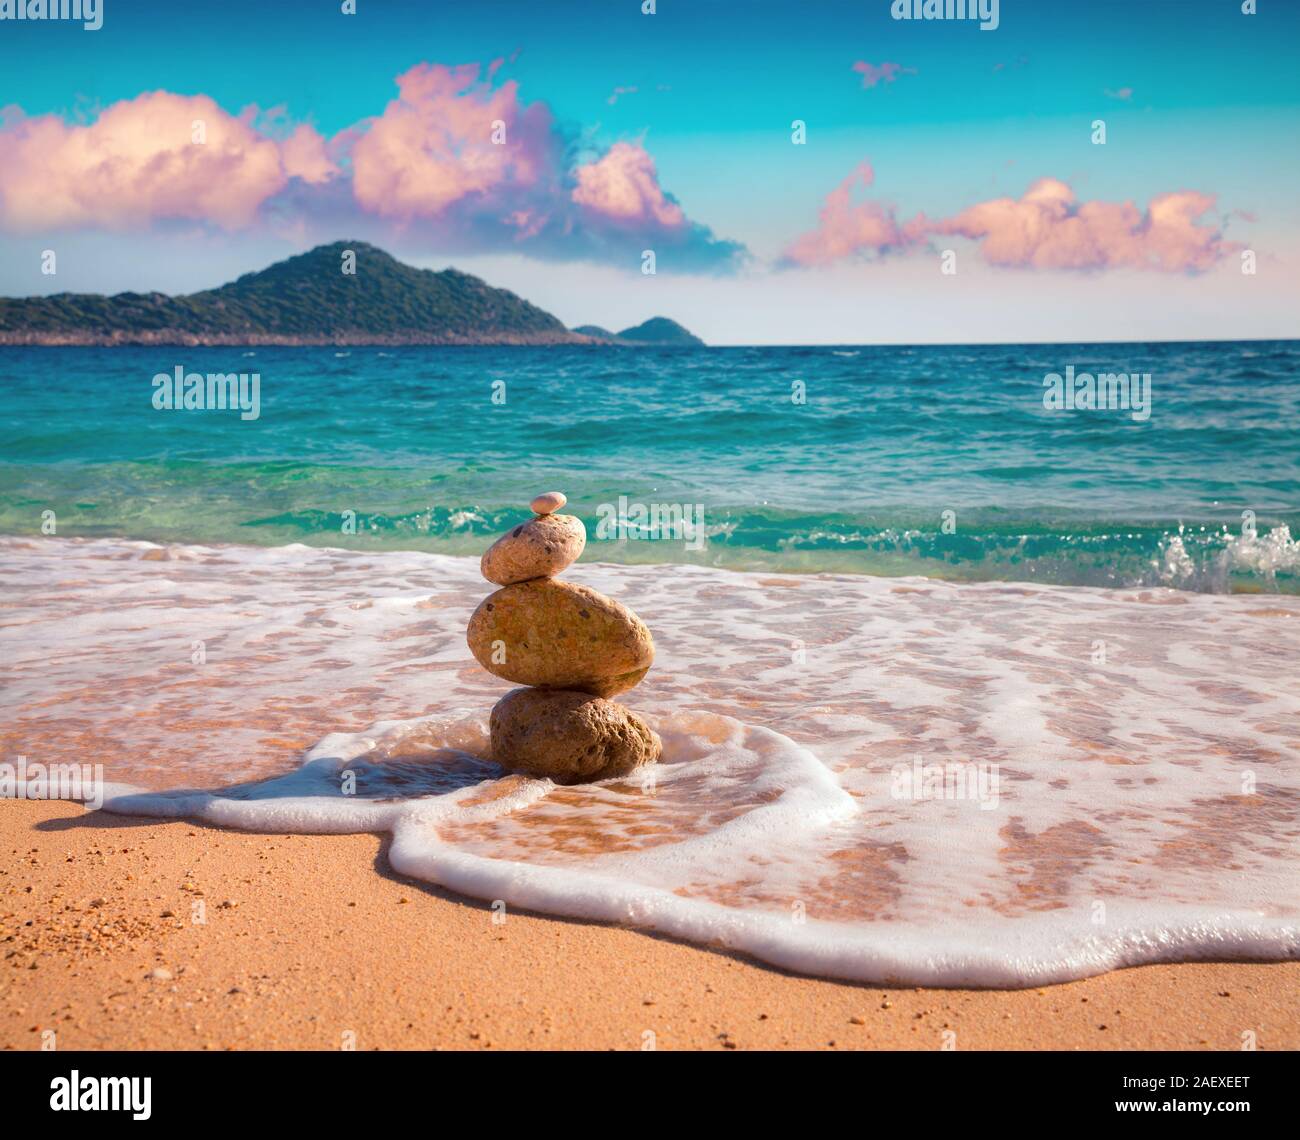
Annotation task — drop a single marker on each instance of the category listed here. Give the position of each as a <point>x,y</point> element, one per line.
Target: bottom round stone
<point>569,737</point>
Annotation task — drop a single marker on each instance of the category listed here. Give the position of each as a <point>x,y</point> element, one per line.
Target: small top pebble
<point>548,502</point>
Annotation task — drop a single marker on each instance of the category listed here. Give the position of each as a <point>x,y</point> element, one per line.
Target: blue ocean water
<point>939,461</point>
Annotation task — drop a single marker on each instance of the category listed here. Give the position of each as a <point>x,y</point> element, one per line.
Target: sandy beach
<point>310,938</point>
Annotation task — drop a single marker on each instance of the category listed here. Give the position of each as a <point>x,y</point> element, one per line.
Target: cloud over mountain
<point>457,161</point>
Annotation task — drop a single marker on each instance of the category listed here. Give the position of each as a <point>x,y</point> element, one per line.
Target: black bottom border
<point>336,1088</point>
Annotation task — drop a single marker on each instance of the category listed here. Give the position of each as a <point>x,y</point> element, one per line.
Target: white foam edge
<point>1038,949</point>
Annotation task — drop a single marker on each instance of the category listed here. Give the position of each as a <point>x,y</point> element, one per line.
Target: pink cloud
<point>306,156</point>
<point>1123,93</point>
<point>1046,228</point>
<point>624,186</point>
<point>845,228</point>
<point>433,145</point>
<point>456,162</point>
<point>885,73</point>
<point>139,162</point>
<point>429,163</point>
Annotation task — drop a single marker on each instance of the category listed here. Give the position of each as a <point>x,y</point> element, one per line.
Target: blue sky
<point>1196,96</point>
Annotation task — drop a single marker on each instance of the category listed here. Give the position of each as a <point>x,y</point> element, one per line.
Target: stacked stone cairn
<point>571,645</point>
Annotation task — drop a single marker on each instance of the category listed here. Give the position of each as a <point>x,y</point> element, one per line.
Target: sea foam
<point>882,780</point>
<point>728,846</point>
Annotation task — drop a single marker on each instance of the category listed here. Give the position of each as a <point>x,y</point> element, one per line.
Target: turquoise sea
<point>938,461</point>
<point>916,782</point>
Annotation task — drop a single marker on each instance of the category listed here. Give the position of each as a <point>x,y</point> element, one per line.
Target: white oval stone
<point>548,502</point>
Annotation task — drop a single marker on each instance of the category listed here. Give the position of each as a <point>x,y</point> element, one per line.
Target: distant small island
<point>312,299</point>
<point>657,330</point>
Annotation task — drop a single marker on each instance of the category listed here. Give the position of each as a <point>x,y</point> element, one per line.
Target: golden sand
<point>311,942</point>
